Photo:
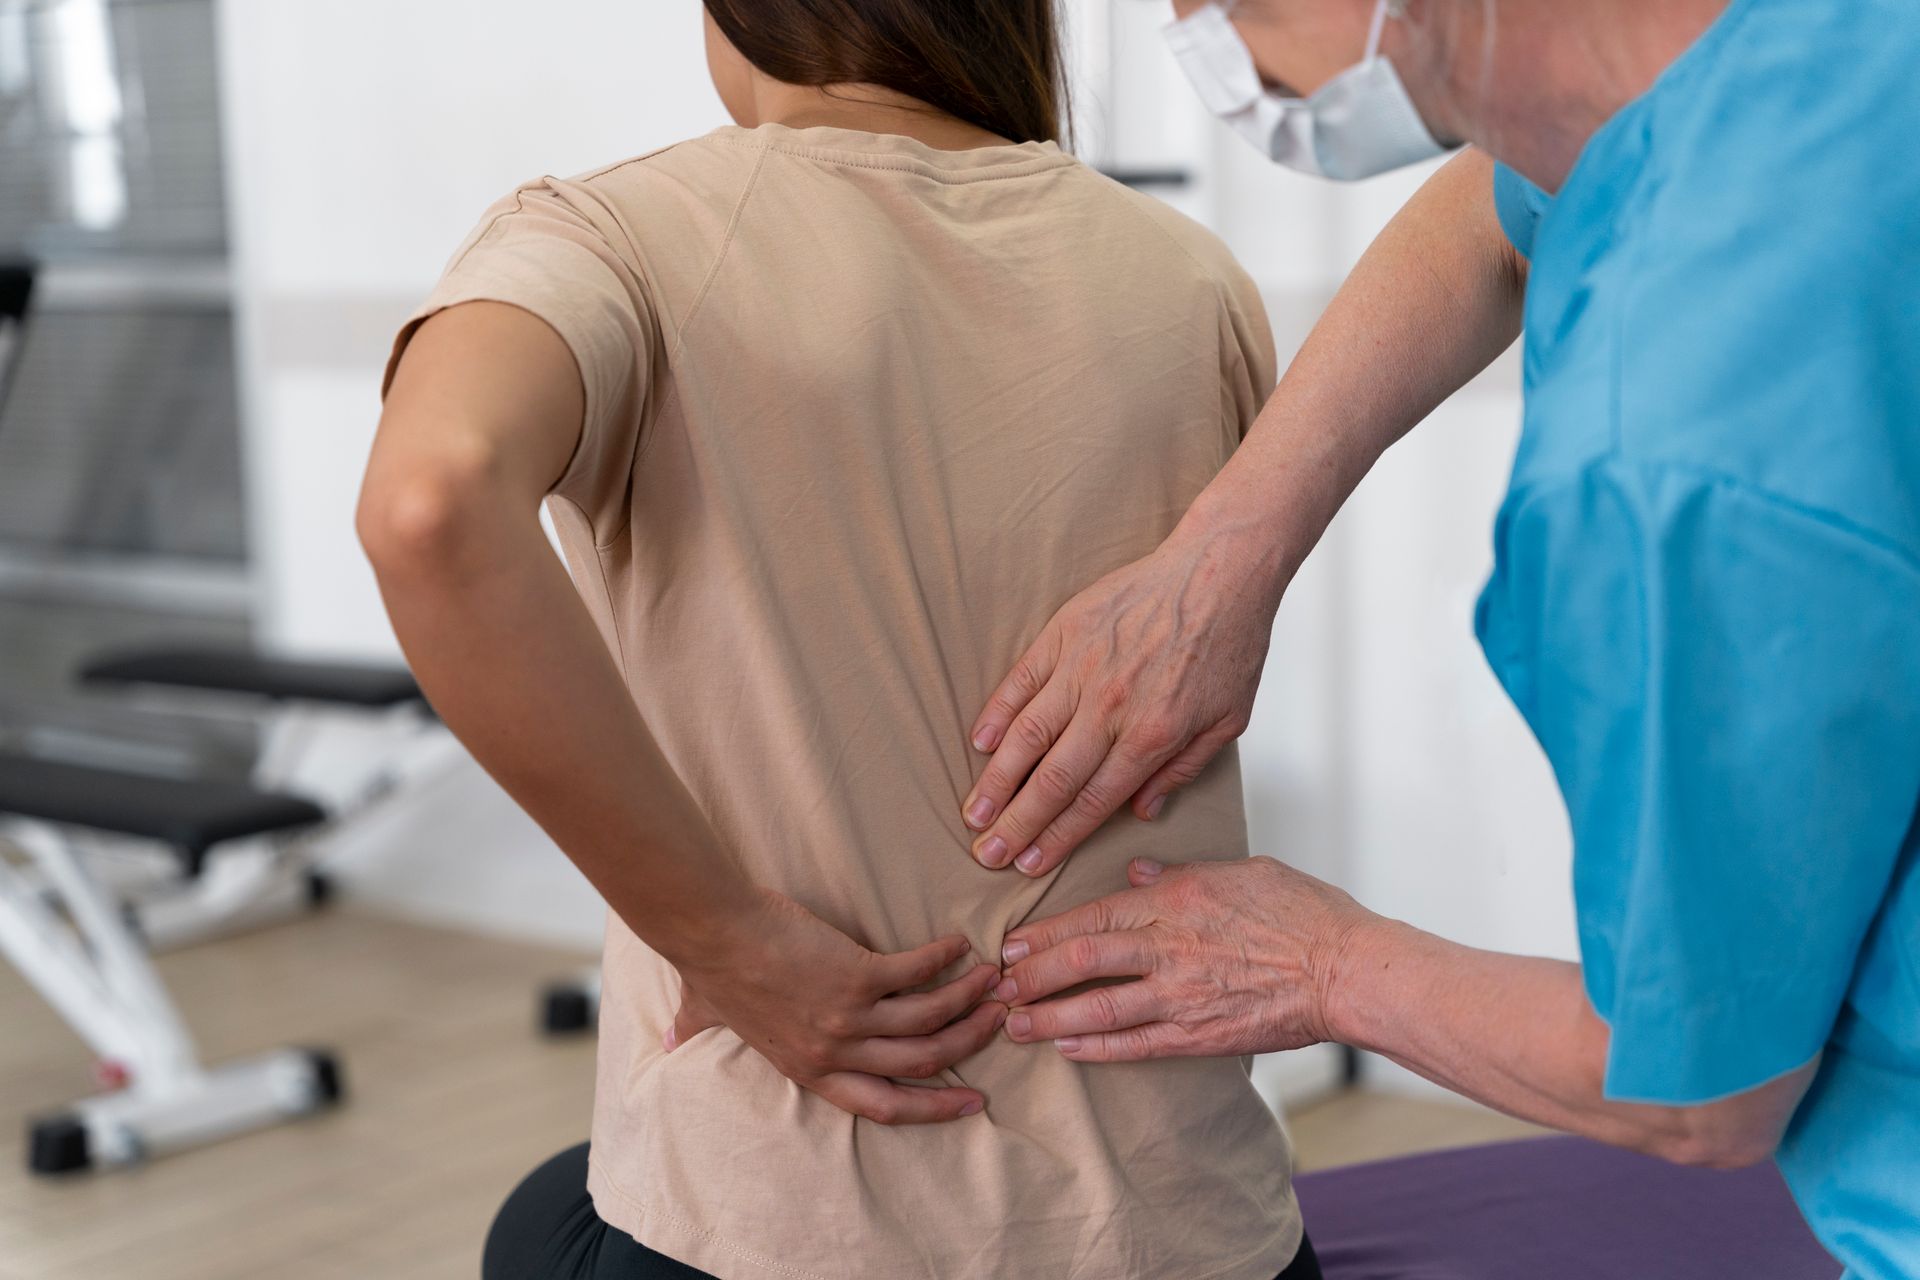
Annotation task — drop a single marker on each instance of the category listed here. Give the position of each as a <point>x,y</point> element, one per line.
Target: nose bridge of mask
<point>1216,60</point>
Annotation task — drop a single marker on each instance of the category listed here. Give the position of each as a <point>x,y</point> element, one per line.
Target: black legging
<point>547,1230</point>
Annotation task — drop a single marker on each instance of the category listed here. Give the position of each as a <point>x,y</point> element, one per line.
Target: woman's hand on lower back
<point>840,1020</point>
<point>1130,691</point>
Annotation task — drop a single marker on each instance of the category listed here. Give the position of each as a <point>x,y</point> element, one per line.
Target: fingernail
<point>1000,1020</point>
<point>1029,861</point>
<point>1006,991</point>
<point>993,853</point>
<point>1067,1044</point>
<point>1014,951</point>
<point>672,1039</point>
<point>1147,868</point>
<point>1154,806</point>
<point>980,813</point>
<point>972,1108</point>
<point>1018,1025</point>
<point>987,739</point>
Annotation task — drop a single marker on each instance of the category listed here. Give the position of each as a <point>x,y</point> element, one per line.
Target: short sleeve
<point>550,249</point>
<point>1728,688</point>
<point>1250,380</point>
<point>1520,206</point>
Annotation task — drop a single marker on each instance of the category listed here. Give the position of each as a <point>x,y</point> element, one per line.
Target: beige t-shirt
<point>861,415</point>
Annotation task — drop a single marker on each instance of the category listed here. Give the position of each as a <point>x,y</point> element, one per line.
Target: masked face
<point>1361,123</point>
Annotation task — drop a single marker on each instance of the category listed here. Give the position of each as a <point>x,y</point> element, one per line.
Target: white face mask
<point>1360,124</point>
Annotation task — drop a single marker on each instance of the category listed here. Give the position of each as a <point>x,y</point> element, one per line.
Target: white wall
<point>365,139</point>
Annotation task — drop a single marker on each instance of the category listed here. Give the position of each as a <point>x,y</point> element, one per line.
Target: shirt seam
<point>493,225</point>
<point>606,595</point>
<point>606,590</point>
<point>432,306</point>
<point>906,164</point>
<point>591,176</point>
<point>719,258</point>
<point>1851,529</point>
<point>672,392</point>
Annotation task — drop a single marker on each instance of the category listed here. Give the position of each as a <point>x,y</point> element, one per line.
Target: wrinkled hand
<point>1129,693</point>
<point>827,1012</point>
<point>1232,958</point>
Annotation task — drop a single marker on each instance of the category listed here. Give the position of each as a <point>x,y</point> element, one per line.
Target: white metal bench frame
<point>75,945</point>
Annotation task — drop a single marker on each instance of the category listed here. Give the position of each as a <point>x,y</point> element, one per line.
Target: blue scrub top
<point>1706,596</point>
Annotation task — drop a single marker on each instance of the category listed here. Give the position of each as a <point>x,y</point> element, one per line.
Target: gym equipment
<point>397,744</point>
<point>16,295</point>
<point>78,949</point>
<point>243,853</point>
<point>572,1007</point>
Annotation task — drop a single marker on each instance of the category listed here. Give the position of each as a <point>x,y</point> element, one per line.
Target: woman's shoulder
<point>1207,252</point>
<point>702,171</point>
<point>651,210</point>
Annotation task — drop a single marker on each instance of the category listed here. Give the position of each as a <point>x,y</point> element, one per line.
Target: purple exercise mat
<point>1556,1209</point>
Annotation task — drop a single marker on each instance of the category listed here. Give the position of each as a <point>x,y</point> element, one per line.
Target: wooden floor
<point>1357,1127</point>
<point>452,1097</point>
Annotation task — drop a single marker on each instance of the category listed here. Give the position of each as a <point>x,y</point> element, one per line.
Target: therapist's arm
<point>1520,1035</point>
<point>1257,957</point>
<point>482,418</point>
<point>1139,681</point>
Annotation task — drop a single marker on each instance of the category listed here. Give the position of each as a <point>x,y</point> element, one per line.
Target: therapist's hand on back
<point>1128,694</point>
<point>1231,958</point>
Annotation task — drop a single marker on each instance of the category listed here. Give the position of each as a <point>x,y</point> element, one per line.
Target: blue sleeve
<point>1520,206</point>
<point>1728,687</point>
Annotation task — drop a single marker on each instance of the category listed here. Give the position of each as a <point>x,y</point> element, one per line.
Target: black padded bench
<point>188,815</point>
<point>295,705</point>
<point>16,290</point>
<point>16,296</point>
<point>238,671</point>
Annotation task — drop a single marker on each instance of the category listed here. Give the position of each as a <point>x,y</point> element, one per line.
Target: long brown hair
<point>993,63</point>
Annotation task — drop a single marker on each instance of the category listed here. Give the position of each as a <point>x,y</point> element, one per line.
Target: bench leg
<point>75,947</point>
<point>118,1129</point>
<point>244,886</point>
<point>572,1007</point>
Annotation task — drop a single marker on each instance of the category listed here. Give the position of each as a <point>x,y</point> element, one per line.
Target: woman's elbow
<point>422,514</point>
<point>404,521</point>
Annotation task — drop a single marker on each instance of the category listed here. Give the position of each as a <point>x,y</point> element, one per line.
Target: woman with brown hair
<point>830,410</point>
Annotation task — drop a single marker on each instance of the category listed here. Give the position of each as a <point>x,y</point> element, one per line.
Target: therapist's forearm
<point>1518,1034</point>
<point>1434,300</point>
<point>497,637</point>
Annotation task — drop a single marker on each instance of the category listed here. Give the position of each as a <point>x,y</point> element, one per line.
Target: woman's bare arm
<point>483,415</point>
<point>1139,681</point>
